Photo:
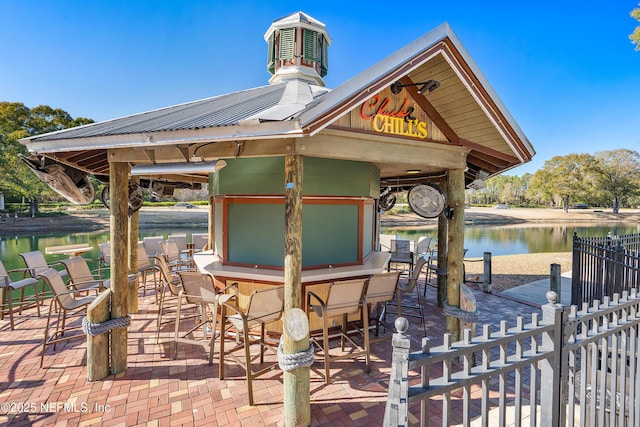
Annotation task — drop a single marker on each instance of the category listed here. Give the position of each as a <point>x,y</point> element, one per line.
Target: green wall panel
<point>322,177</point>
<point>256,233</point>
<point>329,234</point>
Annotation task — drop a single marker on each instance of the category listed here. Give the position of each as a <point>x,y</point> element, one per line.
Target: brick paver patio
<point>159,391</point>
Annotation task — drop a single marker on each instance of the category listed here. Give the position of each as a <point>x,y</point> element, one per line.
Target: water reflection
<point>12,246</point>
<point>524,238</point>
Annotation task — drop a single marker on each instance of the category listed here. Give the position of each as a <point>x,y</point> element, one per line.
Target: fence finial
<point>401,324</point>
<point>552,297</point>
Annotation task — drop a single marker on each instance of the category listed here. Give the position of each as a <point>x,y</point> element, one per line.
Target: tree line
<point>604,179</point>
<point>608,179</point>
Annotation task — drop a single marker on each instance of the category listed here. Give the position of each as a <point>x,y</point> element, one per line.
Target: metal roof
<point>465,108</point>
<point>223,110</point>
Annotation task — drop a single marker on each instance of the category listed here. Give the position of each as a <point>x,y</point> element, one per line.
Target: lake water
<point>11,247</point>
<point>523,238</point>
<point>497,239</point>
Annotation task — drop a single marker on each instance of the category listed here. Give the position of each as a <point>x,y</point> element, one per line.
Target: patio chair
<point>169,288</point>
<point>199,290</point>
<point>36,263</point>
<point>7,286</point>
<point>401,253</point>
<point>105,257</point>
<point>175,260</point>
<point>67,306</point>
<point>146,267</point>
<point>81,277</point>
<point>344,298</point>
<point>423,247</point>
<point>381,289</point>
<point>199,241</point>
<point>385,242</point>
<point>264,306</point>
<point>407,287</point>
<point>181,243</point>
<point>152,245</point>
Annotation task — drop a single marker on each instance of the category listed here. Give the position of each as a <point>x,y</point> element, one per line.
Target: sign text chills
<point>395,121</point>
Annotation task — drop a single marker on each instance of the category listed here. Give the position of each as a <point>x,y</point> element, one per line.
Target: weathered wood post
<point>211,223</point>
<point>442,252</point>
<point>119,214</point>
<point>455,252</point>
<point>133,258</point>
<point>297,410</point>
<point>98,345</point>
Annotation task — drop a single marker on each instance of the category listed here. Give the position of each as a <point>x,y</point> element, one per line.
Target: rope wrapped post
<point>98,345</point>
<point>96,325</point>
<point>296,325</point>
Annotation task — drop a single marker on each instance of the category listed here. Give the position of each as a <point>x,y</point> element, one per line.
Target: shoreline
<point>156,217</point>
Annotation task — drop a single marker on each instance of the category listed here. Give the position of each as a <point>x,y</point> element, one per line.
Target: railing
<point>556,371</point>
<point>603,266</point>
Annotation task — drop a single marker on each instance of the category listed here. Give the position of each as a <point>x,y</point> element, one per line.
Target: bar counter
<point>209,263</point>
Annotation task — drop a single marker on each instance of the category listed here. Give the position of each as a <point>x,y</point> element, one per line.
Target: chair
<point>385,242</point>
<point>405,288</point>
<point>199,290</point>
<point>36,263</point>
<point>105,257</point>
<point>264,306</point>
<point>81,277</point>
<point>381,289</point>
<point>344,298</point>
<point>144,268</point>
<point>172,255</point>
<point>423,247</point>
<point>401,253</point>
<point>152,245</point>
<point>199,241</point>
<point>6,288</point>
<point>169,281</point>
<point>181,243</point>
<point>68,308</point>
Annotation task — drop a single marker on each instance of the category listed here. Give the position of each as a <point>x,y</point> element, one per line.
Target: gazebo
<point>298,174</point>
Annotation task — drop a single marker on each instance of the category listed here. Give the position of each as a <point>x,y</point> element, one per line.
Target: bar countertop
<point>209,263</point>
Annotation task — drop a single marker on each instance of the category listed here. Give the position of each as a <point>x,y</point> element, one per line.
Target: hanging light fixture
<point>428,86</point>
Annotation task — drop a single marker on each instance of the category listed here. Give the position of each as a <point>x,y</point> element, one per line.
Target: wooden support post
<point>212,223</point>
<point>98,345</point>
<point>455,252</point>
<point>119,182</point>
<point>133,257</point>
<point>442,252</point>
<point>297,409</point>
<point>486,275</point>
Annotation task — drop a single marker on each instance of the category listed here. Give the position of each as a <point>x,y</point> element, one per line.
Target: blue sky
<point>566,70</point>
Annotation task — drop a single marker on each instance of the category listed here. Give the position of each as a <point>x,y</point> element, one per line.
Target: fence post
<point>576,282</point>
<point>396,410</point>
<point>486,275</point>
<point>552,399</point>
<point>556,281</point>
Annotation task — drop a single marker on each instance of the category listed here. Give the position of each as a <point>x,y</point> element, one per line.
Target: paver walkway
<point>159,391</point>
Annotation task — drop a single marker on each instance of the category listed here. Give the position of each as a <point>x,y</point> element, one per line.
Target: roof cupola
<point>297,49</point>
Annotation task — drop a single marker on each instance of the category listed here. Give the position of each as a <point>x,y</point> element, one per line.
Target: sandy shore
<point>153,217</point>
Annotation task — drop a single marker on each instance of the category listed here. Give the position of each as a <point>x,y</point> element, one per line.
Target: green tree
<point>563,179</point>
<point>635,36</point>
<point>18,121</point>
<point>617,174</point>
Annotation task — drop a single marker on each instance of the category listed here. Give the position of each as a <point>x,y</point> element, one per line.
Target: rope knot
<point>94,329</point>
<point>289,362</point>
